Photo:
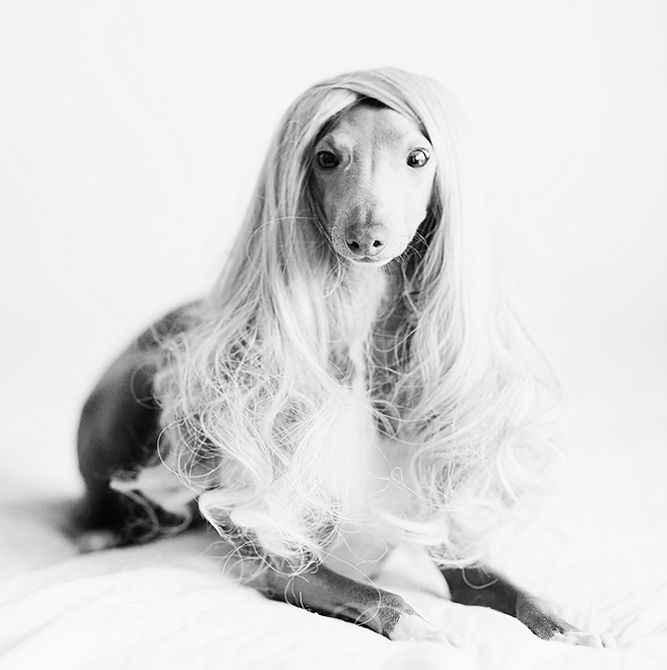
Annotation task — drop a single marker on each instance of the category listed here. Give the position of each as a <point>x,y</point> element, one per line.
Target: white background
<point>131,134</point>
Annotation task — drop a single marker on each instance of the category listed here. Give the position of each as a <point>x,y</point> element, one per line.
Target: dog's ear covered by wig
<point>255,415</point>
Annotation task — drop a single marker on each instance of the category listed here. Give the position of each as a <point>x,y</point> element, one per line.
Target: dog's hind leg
<point>117,440</point>
<point>118,435</point>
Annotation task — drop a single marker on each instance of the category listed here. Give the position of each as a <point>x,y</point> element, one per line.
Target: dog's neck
<point>368,287</point>
<point>368,319</point>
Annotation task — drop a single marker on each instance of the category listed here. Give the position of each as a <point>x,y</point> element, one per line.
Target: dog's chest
<point>366,532</point>
<point>377,466</point>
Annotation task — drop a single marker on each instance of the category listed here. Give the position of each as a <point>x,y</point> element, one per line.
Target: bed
<point>597,552</point>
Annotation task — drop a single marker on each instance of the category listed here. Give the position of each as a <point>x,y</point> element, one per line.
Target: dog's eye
<point>327,159</point>
<point>417,158</point>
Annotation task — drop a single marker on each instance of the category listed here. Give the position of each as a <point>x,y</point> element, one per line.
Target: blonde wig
<point>256,387</point>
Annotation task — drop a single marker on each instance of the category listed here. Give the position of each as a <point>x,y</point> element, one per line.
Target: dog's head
<point>372,177</point>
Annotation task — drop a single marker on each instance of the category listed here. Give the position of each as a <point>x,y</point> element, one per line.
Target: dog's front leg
<point>324,591</point>
<point>477,586</point>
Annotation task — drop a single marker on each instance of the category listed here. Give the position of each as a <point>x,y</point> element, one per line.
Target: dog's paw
<point>95,540</point>
<point>412,626</point>
<point>586,639</point>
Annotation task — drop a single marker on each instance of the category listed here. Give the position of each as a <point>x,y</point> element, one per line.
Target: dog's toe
<point>586,639</point>
<point>412,626</point>
<point>95,540</point>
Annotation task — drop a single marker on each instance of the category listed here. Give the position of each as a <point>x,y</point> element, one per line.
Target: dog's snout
<point>366,243</point>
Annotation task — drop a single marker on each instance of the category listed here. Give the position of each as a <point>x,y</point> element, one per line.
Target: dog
<point>352,380</point>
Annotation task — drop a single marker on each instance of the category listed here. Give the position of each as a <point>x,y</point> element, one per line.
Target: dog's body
<point>371,179</point>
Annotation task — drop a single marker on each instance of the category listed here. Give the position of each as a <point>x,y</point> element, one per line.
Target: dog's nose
<point>365,245</point>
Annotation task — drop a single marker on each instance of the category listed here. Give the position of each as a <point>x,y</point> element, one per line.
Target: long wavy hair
<point>258,406</point>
